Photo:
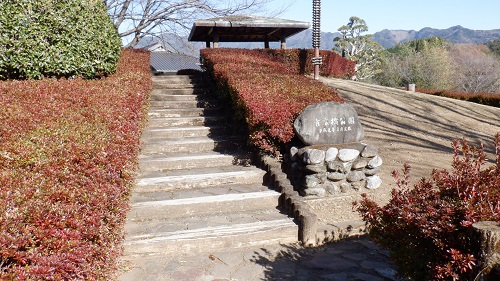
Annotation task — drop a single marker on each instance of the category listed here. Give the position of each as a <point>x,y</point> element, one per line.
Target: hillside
<point>386,38</point>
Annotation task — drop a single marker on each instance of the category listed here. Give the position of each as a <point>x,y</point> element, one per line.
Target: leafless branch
<point>140,18</point>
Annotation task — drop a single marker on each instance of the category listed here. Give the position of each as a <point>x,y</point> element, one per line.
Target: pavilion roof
<point>245,29</point>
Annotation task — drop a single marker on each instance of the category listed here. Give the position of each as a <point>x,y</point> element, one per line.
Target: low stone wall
<point>332,170</point>
<point>311,233</point>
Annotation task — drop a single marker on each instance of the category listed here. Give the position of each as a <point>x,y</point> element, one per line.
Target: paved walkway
<point>350,259</point>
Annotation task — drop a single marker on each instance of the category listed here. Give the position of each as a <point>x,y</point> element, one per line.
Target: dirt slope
<point>413,128</point>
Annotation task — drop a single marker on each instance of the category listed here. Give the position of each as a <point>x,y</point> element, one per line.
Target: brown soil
<point>412,128</point>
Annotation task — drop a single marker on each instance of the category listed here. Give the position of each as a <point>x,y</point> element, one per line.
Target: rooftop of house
<point>167,62</point>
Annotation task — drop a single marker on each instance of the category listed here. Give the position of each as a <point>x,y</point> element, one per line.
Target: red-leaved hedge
<point>428,228</point>
<point>299,61</point>
<point>68,151</point>
<point>489,99</point>
<point>267,94</point>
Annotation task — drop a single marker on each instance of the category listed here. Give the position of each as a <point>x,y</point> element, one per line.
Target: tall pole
<point>317,61</point>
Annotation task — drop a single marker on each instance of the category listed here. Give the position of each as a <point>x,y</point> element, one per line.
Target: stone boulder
<point>329,123</point>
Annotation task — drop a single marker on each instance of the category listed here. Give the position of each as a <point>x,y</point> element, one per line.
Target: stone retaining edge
<point>311,232</point>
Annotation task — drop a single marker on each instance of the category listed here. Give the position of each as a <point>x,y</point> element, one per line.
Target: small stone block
<point>360,163</point>
<point>314,156</point>
<point>370,151</point>
<point>375,162</point>
<point>331,154</point>
<point>315,169</point>
<point>336,176</point>
<point>373,182</point>
<point>347,155</point>
<point>355,176</point>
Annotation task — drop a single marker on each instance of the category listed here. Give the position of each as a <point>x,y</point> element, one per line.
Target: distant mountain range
<point>386,38</point>
<point>455,34</point>
<point>390,38</point>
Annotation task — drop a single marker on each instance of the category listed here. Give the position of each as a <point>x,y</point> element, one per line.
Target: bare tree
<point>136,19</point>
<point>477,70</point>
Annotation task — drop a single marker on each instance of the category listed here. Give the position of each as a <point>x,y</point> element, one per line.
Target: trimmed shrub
<point>428,229</point>
<point>51,38</point>
<point>481,98</point>
<point>68,153</point>
<point>266,94</point>
<point>299,61</point>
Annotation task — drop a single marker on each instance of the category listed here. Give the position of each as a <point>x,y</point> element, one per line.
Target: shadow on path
<point>356,258</point>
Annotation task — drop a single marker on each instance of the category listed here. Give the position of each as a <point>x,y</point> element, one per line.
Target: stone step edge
<point>340,230</point>
<point>210,155</point>
<point>206,199</point>
<point>211,232</point>
<point>182,178</point>
<point>311,233</point>
<point>181,128</point>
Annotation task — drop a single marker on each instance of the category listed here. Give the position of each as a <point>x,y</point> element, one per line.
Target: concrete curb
<point>311,233</point>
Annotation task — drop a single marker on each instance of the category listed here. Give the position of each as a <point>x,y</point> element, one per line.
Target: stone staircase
<point>196,191</point>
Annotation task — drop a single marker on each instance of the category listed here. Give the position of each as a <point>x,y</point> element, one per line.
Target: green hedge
<point>50,38</point>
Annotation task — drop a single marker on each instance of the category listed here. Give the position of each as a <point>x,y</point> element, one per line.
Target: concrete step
<point>140,197</point>
<point>211,159</point>
<point>181,91</point>
<point>182,104</point>
<point>182,112</point>
<point>177,80</point>
<point>200,234</point>
<point>203,205</point>
<point>173,97</point>
<point>152,133</point>
<point>185,121</point>
<point>197,178</point>
<point>190,145</point>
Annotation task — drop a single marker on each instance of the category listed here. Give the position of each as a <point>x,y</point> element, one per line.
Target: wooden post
<point>316,36</point>
<point>411,87</point>
<point>488,234</point>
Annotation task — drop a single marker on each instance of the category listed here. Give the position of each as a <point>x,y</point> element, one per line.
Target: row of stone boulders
<point>333,170</point>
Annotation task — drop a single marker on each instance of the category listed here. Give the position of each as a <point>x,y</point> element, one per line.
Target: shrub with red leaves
<point>489,99</point>
<point>428,229</point>
<point>299,61</point>
<point>68,151</point>
<point>267,94</point>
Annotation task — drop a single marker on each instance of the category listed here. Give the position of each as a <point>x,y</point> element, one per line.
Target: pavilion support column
<point>207,44</point>
<point>266,43</point>
<point>283,42</point>
<point>216,41</point>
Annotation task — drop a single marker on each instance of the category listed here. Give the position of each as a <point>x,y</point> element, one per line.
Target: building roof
<point>162,61</point>
<point>245,29</point>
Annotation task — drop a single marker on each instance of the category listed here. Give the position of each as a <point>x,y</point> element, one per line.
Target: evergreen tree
<point>53,38</point>
<point>359,48</point>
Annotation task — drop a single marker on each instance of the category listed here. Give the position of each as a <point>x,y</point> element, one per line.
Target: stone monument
<point>333,160</point>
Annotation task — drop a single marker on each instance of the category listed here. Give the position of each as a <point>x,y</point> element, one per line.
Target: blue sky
<point>398,14</point>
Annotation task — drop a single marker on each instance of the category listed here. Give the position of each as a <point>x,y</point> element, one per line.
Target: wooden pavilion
<point>245,29</point>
